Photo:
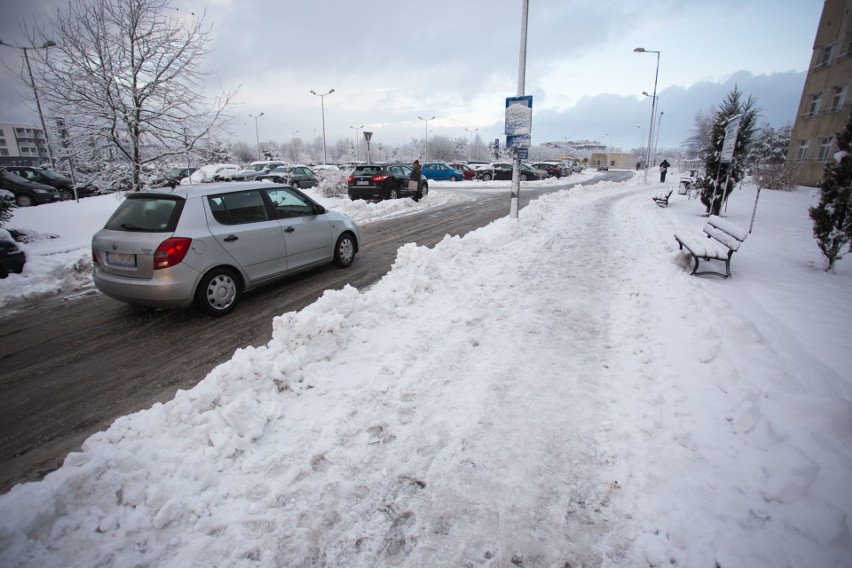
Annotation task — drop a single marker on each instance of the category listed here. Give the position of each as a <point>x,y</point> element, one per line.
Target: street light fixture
<point>653,107</point>
<point>45,45</point>
<point>322,104</point>
<point>256,133</point>
<point>470,142</point>
<point>356,129</point>
<point>426,159</point>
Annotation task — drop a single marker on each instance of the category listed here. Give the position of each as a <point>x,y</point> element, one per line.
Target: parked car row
<point>36,186</point>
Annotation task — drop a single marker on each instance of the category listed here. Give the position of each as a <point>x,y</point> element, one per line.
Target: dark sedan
<point>375,182</point>
<point>12,259</point>
<point>62,183</point>
<point>300,177</point>
<point>27,192</point>
<point>503,171</point>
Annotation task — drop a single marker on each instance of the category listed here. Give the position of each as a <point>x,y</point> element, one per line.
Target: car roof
<point>199,189</point>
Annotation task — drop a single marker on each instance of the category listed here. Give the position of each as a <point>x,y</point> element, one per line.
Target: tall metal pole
<point>657,140</point>
<point>470,142</point>
<point>356,129</point>
<point>322,105</point>
<point>426,159</point>
<point>46,45</point>
<point>522,72</point>
<point>653,108</point>
<point>256,133</point>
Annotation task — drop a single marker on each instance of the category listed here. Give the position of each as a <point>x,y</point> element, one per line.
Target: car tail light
<point>350,180</point>
<point>379,178</point>
<point>171,252</point>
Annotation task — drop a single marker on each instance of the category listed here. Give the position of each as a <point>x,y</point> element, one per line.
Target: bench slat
<point>735,231</point>
<point>723,237</point>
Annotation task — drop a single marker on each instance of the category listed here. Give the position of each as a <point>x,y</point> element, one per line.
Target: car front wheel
<point>294,184</point>
<point>344,250</point>
<point>218,292</point>
<point>23,200</point>
<point>524,177</point>
<point>486,177</point>
<point>454,178</point>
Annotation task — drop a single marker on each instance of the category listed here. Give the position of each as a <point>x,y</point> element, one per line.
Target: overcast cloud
<point>392,61</point>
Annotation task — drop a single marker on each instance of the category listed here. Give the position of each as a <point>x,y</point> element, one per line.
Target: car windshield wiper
<point>132,227</point>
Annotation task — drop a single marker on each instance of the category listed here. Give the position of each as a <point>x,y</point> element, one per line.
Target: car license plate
<point>121,259</point>
<point>363,182</point>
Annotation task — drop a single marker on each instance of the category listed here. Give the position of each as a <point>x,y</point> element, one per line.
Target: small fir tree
<point>833,216</point>
<point>732,172</point>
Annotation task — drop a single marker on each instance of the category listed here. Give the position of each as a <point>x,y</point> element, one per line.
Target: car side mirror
<point>319,210</point>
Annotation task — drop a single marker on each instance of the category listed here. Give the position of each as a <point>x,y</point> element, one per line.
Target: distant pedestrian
<point>664,168</point>
<point>414,178</point>
<point>637,165</point>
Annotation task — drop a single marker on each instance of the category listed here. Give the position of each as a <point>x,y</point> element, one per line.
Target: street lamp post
<point>256,133</point>
<point>45,45</point>
<point>322,104</point>
<point>470,142</point>
<point>607,150</point>
<point>641,137</point>
<point>426,159</point>
<point>356,129</point>
<point>653,107</point>
<point>657,140</point>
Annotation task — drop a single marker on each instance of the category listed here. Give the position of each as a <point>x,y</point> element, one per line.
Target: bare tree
<point>125,74</point>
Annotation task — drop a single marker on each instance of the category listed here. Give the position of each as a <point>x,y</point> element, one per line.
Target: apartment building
<point>22,145</point>
<point>826,103</point>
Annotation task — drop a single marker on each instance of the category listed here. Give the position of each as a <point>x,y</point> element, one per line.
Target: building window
<point>824,149</point>
<point>803,150</point>
<point>4,152</point>
<point>813,107</point>
<point>827,53</point>
<point>839,98</point>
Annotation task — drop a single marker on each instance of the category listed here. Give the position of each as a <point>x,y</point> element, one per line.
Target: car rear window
<point>146,213</point>
<point>367,170</point>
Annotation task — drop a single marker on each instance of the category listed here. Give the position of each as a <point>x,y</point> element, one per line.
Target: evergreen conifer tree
<point>833,216</point>
<point>732,172</point>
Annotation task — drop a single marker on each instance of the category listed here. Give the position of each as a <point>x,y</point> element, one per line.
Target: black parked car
<point>294,176</point>
<point>172,177</point>
<point>503,171</point>
<point>553,169</point>
<point>48,177</point>
<point>12,258</point>
<point>375,182</point>
<point>27,192</point>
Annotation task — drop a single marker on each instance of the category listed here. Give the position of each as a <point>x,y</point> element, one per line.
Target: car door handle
<point>230,238</point>
<point>289,230</point>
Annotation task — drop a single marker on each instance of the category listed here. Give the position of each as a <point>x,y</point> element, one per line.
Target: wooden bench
<point>662,199</point>
<point>723,240</point>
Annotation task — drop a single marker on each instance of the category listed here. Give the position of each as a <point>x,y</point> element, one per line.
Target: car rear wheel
<point>393,194</point>
<point>66,195</point>
<point>23,200</point>
<point>344,250</point>
<point>294,184</point>
<point>524,177</point>
<point>218,292</point>
<point>454,178</point>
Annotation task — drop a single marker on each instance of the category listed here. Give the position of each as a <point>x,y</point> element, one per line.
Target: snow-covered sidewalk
<point>550,391</point>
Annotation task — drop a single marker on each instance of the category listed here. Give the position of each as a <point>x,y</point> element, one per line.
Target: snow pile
<point>555,390</point>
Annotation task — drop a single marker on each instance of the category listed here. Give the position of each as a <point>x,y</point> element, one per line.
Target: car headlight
<point>39,190</point>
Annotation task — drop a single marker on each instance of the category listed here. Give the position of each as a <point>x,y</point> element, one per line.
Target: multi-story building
<point>826,103</point>
<point>22,145</point>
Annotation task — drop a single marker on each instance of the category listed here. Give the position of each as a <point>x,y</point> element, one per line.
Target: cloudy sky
<point>392,61</point>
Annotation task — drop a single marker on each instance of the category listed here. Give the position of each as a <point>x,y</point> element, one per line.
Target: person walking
<point>664,168</point>
<point>414,178</point>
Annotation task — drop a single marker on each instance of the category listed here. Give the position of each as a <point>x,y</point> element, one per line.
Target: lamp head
<point>639,50</point>
<point>331,91</point>
<point>313,92</point>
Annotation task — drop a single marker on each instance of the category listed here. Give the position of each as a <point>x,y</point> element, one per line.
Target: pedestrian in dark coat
<point>664,168</point>
<point>415,171</point>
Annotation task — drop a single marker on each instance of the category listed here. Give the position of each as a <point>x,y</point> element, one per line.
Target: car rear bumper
<point>367,192</point>
<point>170,288</point>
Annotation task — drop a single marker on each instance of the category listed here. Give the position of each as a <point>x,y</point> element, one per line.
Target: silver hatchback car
<point>205,245</point>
